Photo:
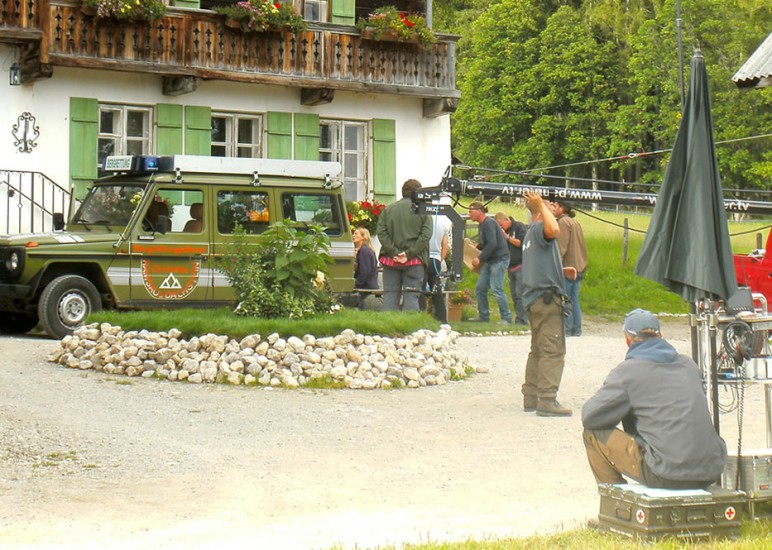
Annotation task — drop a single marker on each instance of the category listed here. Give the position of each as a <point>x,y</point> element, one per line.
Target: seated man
<point>656,393</point>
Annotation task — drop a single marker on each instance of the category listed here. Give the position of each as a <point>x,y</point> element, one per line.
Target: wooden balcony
<point>191,44</point>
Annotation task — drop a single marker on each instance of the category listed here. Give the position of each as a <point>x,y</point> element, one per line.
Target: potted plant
<point>133,10</point>
<point>262,15</point>
<point>364,214</point>
<point>388,23</point>
<point>456,303</point>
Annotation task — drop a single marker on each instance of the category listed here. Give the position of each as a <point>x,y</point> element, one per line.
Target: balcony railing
<point>196,43</point>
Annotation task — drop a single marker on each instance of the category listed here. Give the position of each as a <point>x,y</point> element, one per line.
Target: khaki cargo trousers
<point>546,360</point>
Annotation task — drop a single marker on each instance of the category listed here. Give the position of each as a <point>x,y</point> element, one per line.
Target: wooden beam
<point>316,96</point>
<point>178,85</point>
<point>436,107</point>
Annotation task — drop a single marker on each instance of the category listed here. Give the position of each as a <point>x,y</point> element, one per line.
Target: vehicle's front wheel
<point>65,304</point>
<point>13,323</point>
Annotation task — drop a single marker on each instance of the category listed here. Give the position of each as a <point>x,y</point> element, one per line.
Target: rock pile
<point>351,360</point>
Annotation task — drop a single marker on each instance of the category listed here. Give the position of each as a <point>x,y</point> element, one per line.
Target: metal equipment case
<point>641,512</point>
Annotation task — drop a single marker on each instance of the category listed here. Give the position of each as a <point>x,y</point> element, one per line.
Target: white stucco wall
<point>423,145</point>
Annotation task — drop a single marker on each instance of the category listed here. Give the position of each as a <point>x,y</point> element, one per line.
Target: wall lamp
<point>14,75</point>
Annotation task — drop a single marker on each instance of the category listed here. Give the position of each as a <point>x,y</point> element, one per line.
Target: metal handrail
<point>35,194</point>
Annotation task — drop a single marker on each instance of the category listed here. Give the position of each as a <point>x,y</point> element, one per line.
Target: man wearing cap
<point>543,297</point>
<point>493,259</point>
<point>656,393</point>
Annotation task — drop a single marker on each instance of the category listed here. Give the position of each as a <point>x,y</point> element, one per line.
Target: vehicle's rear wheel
<point>65,303</point>
<point>13,323</point>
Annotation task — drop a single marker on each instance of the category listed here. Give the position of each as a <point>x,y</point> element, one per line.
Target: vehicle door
<point>170,249</point>
<point>237,208</point>
<point>325,208</point>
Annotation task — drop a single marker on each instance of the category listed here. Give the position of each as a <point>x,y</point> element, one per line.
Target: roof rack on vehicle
<point>142,164</point>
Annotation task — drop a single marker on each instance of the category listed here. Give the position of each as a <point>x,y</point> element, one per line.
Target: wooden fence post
<point>624,243</point>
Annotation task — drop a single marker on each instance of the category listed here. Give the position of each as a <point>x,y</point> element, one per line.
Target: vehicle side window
<point>248,209</point>
<point>172,211</point>
<point>312,208</point>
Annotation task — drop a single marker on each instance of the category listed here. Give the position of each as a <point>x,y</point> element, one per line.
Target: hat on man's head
<point>477,205</point>
<point>639,322</point>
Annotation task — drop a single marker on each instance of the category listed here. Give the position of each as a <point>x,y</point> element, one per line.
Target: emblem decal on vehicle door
<point>170,282</point>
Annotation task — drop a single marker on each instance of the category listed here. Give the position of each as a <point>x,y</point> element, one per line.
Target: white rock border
<point>349,360</point>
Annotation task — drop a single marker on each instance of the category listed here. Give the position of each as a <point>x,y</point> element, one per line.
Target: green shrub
<point>282,274</point>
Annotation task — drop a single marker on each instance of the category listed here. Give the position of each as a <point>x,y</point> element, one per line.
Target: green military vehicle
<point>146,236</point>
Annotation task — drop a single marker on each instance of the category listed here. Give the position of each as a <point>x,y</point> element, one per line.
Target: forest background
<point>591,86</point>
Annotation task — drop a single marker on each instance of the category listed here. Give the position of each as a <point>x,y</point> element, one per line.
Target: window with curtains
<point>236,135</point>
<point>315,10</point>
<point>345,141</point>
<point>123,130</point>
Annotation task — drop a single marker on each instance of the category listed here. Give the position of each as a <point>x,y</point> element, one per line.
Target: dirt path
<point>88,459</point>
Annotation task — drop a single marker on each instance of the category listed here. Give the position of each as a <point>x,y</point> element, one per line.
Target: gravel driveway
<point>90,459</point>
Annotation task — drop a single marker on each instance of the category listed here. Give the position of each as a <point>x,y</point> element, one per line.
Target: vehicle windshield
<point>109,204</point>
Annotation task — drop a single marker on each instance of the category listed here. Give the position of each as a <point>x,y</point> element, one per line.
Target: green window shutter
<point>169,129</point>
<point>384,160</point>
<point>343,12</point>
<point>306,136</point>
<point>198,130</point>
<point>279,135</point>
<point>84,128</point>
<point>196,4</point>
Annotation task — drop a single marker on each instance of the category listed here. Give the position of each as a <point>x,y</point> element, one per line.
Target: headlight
<point>12,262</point>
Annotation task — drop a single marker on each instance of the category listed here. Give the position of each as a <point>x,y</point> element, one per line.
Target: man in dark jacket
<point>493,261</point>
<point>656,393</point>
<point>514,231</point>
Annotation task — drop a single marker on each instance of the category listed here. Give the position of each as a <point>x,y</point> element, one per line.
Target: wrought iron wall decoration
<point>26,133</point>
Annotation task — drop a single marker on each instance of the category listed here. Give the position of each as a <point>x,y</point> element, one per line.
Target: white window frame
<point>356,186</point>
<point>323,10</point>
<point>119,136</point>
<point>232,144</point>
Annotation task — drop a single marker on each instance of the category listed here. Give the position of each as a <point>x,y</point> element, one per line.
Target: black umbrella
<point>687,245</point>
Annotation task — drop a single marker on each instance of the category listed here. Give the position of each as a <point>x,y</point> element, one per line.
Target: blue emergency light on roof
<point>131,164</point>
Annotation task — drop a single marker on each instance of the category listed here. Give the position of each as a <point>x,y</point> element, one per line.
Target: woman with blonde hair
<point>365,264</point>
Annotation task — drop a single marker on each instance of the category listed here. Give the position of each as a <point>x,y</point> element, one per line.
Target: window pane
<point>218,150</point>
<point>248,209</point>
<point>218,129</point>
<point>134,148</point>
<point>327,139</point>
<point>107,122</point>
<point>354,138</point>
<point>135,124</point>
<point>351,165</point>
<point>245,131</point>
<point>106,147</point>
<point>316,209</point>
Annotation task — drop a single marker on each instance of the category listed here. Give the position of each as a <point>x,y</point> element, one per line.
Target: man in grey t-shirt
<point>543,295</point>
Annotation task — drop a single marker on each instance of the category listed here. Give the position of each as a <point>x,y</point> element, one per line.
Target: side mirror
<point>58,219</point>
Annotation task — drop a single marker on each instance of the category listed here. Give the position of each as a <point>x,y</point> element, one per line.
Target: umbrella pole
<point>713,331</point>
<point>693,327</point>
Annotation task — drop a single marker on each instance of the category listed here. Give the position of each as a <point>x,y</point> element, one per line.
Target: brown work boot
<point>551,407</point>
<point>529,403</point>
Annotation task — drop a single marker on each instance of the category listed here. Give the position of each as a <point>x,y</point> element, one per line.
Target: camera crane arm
<point>428,200</point>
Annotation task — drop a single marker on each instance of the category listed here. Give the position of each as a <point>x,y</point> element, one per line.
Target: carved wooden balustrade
<point>197,43</point>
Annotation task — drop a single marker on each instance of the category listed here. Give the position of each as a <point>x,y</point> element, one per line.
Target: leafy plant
<point>264,15</point>
<point>388,20</point>
<point>364,214</point>
<point>279,275</point>
<point>142,10</point>
<point>462,297</point>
